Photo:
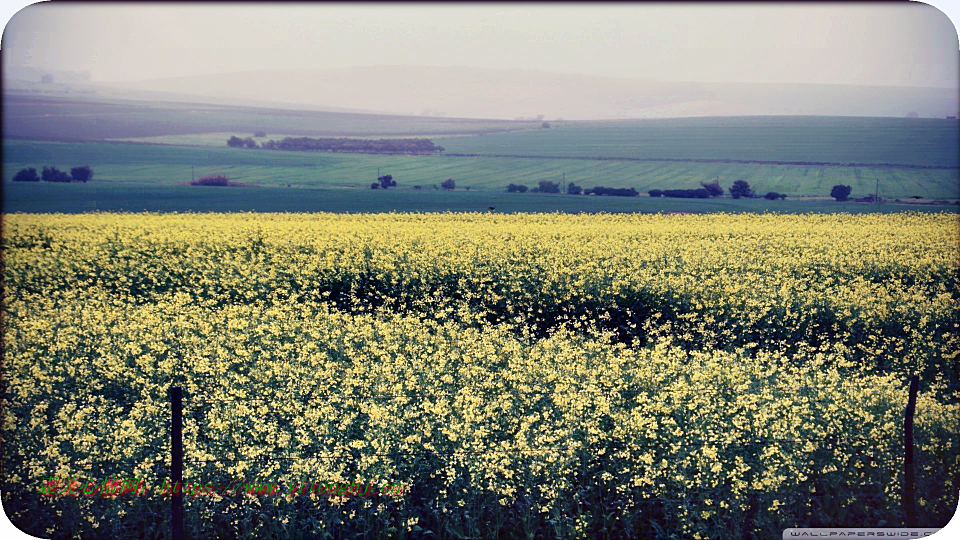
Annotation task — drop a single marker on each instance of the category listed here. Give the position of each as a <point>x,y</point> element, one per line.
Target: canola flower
<point>720,373</point>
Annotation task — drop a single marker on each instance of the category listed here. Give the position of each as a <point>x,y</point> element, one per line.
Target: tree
<point>448,184</point>
<point>772,196</point>
<point>235,142</point>
<point>574,189</point>
<point>259,134</point>
<point>375,185</point>
<point>655,192</point>
<point>27,175</point>
<point>713,188</point>
<point>740,188</point>
<point>547,186</point>
<point>52,174</point>
<point>250,143</point>
<point>387,181</point>
<point>840,192</point>
<point>545,125</point>
<point>81,174</point>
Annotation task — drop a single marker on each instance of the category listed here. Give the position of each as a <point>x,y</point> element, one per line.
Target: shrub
<point>448,184</point>
<point>259,134</point>
<point>840,192</point>
<point>741,188</point>
<point>547,186</point>
<point>250,143</point>
<point>375,185</point>
<point>211,180</point>
<point>387,181</point>
<point>656,192</point>
<point>713,188</point>
<point>235,142</point>
<point>617,192</point>
<point>53,174</point>
<point>27,175</point>
<point>771,196</point>
<point>81,174</point>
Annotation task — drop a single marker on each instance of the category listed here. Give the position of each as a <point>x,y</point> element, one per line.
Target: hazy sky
<point>909,44</point>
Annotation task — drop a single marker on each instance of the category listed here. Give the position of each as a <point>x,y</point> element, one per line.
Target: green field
<point>164,145</point>
<point>133,197</point>
<point>127,164</point>
<point>911,141</point>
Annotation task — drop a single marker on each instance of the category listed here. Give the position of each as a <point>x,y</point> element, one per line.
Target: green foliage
<point>741,188</point>
<point>840,192</point>
<point>27,175</point>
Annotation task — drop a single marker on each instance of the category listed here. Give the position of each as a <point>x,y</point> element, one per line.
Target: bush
<point>235,142</point>
<point>699,193</point>
<point>656,192</point>
<point>616,192</point>
<point>448,184</point>
<point>841,192</point>
<point>547,186</point>
<point>375,185</point>
<point>81,174</point>
<point>387,181</point>
<point>27,175</point>
<point>53,174</point>
<point>771,196</point>
<point>250,143</point>
<point>741,188</point>
<point>260,134</point>
<point>713,188</point>
<point>211,180</point>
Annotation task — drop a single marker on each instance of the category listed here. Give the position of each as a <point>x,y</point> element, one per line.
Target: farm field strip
<point>116,162</point>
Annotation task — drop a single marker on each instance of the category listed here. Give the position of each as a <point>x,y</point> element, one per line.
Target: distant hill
<point>510,94</point>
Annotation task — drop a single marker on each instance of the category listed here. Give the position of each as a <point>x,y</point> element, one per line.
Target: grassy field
<point>523,376</point>
<point>120,164</point>
<point>44,197</point>
<point>777,138</point>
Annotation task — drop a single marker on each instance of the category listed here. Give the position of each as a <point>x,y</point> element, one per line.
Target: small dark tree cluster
<point>211,180</point>
<point>841,192</point>
<point>616,192</point>
<point>363,146</point>
<point>699,193</point>
<point>237,142</point>
<point>574,189</point>
<point>27,175</point>
<point>386,181</point>
<point>53,174</point>
<point>546,186</point>
<point>81,174</point>
<point>741,188</point>
<point>260,134</point>
<point>773,195</point>
<point>448,184</point>
<point>516,188</point>
<point>713,188</point>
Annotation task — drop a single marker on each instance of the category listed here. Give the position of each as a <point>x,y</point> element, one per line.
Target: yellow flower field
<point>542,375</point>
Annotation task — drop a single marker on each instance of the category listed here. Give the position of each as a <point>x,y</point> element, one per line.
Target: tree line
<point>53,174</point>
<point>366,146</point>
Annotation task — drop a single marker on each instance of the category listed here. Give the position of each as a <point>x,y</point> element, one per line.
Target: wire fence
<point>171,457</point>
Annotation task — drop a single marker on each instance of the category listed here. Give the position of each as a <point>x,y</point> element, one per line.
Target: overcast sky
<point>907,44</point>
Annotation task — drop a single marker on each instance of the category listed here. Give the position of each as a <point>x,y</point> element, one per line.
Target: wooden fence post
<point>176,462</point>
<point>909,470</point>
